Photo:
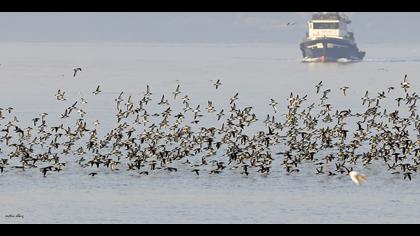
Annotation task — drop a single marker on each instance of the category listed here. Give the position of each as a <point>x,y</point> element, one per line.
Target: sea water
<point>31,73</point>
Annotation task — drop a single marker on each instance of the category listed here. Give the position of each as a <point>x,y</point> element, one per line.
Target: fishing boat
<point>329,40</point>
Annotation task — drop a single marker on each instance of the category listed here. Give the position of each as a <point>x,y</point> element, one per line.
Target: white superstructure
<point>328,24</point>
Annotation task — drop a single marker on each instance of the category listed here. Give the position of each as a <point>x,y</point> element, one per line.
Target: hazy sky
<point>180,27</point>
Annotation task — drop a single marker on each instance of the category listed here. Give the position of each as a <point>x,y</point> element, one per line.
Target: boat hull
<point>330,50</point>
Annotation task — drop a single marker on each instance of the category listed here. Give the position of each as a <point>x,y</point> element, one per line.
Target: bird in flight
<point>177,91</point>
<point>405,85</point>
<point>357,178</point>
<point>344,90</point>
<point>318,86</point>
<point>76,70</point>
<point>217,83</point>
<point>97,91</point>
<point>274,104</point>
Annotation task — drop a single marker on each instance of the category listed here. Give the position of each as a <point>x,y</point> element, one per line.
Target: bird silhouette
<point>75,70</point>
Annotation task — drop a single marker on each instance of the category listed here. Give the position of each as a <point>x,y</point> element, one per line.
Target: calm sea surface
<point>31,73</point>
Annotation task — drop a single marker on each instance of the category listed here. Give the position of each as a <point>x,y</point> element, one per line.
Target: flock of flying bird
<point>333,142</point>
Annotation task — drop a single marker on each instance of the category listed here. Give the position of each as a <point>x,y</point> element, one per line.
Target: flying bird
<point>274,104</point>
<point>357,177</point>
<point>405,85</point>
<point>344,89</point>
<point>217,83</point>
<point>97,91</point>
<point>176,92</point>
<point>76,70</point>
<point>318,86</point>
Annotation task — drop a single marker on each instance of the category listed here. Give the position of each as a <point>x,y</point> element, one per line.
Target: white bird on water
<point>357,177</point>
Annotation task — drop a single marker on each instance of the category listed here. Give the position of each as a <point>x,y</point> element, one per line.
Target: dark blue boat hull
<point>332,50</point>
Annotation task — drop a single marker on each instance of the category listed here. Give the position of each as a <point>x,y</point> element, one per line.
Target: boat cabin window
<point>325,25</point>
